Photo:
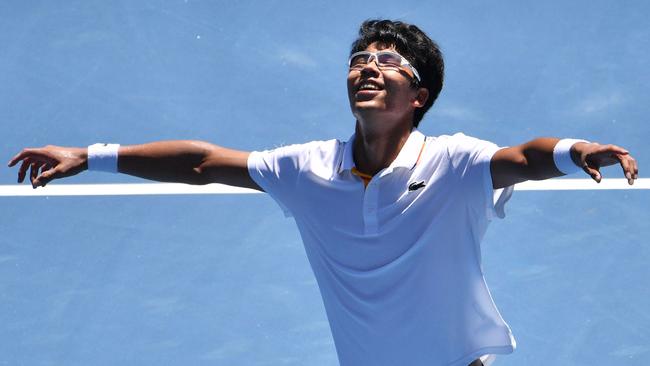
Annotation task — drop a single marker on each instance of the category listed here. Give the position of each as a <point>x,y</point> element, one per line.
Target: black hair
<point>412,43</point>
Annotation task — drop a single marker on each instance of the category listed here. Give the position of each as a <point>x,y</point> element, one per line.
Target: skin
<point>383,124</point>
<point>384,117</point>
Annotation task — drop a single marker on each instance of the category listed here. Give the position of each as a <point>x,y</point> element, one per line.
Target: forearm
<point>544,154</point>
<point>167,161</point>
<point>538,155</point>
<point>532,160</point>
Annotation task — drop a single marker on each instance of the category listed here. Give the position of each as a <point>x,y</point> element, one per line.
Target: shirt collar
<point>407,157</point>
<point>347,162</point>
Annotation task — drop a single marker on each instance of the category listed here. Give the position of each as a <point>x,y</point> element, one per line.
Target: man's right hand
<point>49,162</point>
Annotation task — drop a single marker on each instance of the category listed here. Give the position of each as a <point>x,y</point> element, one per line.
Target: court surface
<point>222,279</point>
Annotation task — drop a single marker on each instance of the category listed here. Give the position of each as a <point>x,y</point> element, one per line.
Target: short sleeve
<point>276,171</point>
<point>470,158</point>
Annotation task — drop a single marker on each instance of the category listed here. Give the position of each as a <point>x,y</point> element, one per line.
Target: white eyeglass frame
<point>404,62</point>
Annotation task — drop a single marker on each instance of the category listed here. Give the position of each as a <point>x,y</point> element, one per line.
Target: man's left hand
<point>592,156</point>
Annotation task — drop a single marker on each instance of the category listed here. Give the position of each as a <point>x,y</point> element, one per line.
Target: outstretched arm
<point>534,161</point>
<point>192,162</point>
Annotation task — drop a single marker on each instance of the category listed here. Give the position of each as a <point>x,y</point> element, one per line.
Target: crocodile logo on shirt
<point>414,186</point>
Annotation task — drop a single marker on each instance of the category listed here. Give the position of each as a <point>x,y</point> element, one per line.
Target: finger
<point>43,169</point>
<point>23,170</point>
<point>24,154</point>
<point>627,169</point>
<point>33,173</point>
<point>593,173</point>
<point>634,167</point>
<point>32,154</point>
<point>18,157</point>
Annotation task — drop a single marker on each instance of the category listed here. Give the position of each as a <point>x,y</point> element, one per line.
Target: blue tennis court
<point>222,278</point>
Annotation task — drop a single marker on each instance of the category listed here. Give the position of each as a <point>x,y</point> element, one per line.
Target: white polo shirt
<point>398,262</point>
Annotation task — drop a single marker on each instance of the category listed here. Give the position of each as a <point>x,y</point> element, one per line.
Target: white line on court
<point>581,184</point>
<point>120,189</point>
<point>176,188</point>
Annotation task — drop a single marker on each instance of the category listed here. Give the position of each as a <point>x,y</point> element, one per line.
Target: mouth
<point>367,90</point>
<point>368,86</point>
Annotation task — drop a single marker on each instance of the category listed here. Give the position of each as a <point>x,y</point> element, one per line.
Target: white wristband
<point>562,156</point>
<point>103,157</point>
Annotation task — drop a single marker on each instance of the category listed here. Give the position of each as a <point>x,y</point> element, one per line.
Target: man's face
<point>375,92</point>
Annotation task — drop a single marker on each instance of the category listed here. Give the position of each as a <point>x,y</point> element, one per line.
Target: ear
<point>420,98</point>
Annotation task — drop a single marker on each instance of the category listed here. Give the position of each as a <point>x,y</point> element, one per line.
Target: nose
<point>371,68</point>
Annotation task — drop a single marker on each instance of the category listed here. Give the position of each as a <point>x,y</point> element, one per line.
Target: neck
<point>376,148</point>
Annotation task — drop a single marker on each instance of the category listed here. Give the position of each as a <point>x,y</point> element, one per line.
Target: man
<point>391,219</point>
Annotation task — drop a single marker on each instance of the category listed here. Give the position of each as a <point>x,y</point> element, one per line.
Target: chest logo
<point>414,186</point>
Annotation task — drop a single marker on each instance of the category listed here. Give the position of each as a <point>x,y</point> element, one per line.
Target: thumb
<point>45,177</point>
<point>594,173</point>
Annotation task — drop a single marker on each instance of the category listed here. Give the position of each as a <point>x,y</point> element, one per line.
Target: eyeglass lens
<point>383,59</point>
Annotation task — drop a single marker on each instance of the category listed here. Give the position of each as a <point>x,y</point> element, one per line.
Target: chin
<point>369,113</point>
<point>368,105</point>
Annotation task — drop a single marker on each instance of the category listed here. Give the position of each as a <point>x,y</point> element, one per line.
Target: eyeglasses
<point>385,60</point>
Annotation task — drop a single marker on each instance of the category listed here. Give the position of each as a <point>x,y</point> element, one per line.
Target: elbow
<point>198,176</point>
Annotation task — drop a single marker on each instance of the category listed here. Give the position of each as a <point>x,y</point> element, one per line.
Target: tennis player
<point>391,219</point>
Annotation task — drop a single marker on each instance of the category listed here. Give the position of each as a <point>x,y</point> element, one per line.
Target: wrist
<point>576,153</point>
<point>566,157</point>
<point>82,154</point>
<point>102,157</point>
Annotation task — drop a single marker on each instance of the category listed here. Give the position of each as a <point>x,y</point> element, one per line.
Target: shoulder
<point>305,147</point>
<point>459,139</point>
<point>459,143</point>
<point>322,151</point>
<point>462,150</point>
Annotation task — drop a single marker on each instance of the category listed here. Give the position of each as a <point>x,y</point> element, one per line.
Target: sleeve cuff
<point>255,160</point>
<point>496,199</point>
